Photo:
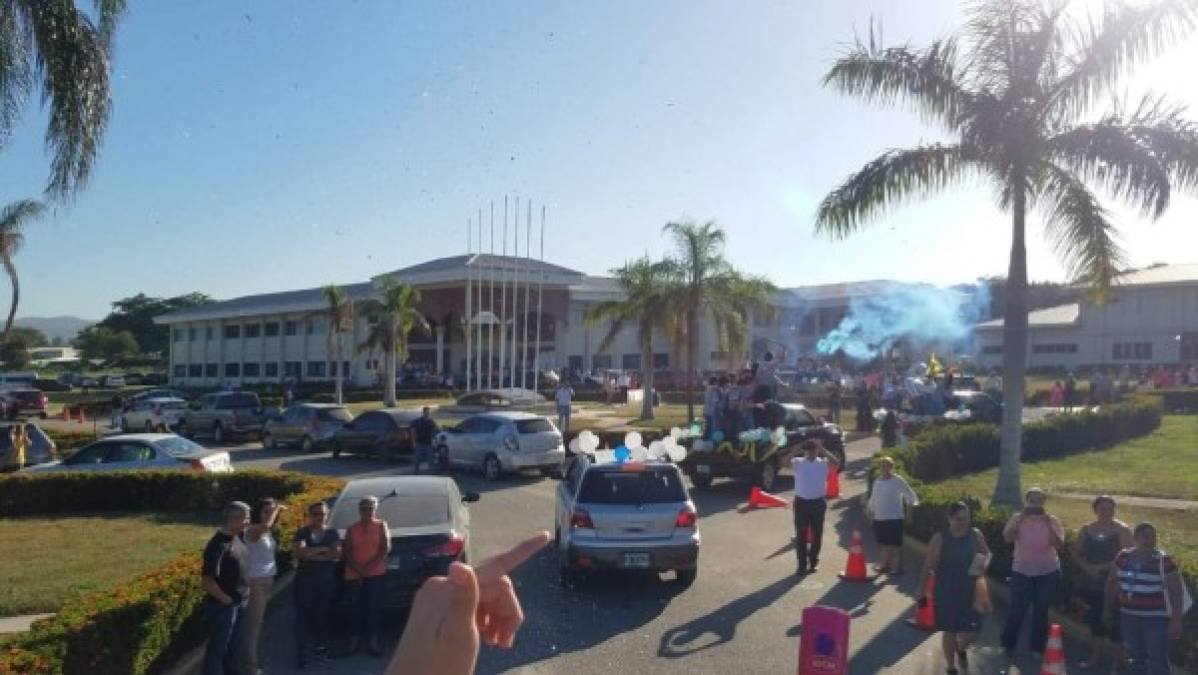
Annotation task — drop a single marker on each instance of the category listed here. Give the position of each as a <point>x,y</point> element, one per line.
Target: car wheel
<point>701,480</point>
<point>443,457</point>
<point>491,467</point>
<point>767,475</point>
<point>268,441</point>
<point>218,433</point>
<point>686,578</point>
<point>306,444</point>
<point>149,427</point>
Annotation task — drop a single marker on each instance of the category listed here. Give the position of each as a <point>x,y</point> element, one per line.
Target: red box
<point>824,649</point>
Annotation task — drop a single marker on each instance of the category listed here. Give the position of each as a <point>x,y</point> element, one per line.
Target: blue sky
<point>258,147</point>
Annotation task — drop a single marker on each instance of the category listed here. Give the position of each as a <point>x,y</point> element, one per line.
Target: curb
<point>193,661</point>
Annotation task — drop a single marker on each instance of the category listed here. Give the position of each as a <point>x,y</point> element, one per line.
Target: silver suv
<point>630,516</point>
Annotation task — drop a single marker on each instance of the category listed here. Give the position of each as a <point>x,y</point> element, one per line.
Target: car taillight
<point>450,548</point>
<point>580,519</point>
<point>197,465</point>
<point>687,517</point>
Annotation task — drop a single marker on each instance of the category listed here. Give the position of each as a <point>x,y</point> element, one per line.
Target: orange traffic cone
<point>854,569</point>
<point>82,419</point>
<point>66,413</point>
<point>925,616</point>
<point>833,484</point>
<point>1054,655</point>
<point>764,500</point>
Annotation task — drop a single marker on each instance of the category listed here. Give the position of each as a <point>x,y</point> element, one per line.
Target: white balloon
<point>669,442</point>
<point>657,449</point>
<point>639,454</point>
<point>575,445</point>
<point>633,439</point>
<point>676,433</point>
<point>605,457</point>
<point>589,442</point>
<point>677,454</point>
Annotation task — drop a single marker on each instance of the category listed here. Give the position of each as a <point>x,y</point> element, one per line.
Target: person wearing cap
<point>1035,571</point>
<point>810,504</point>
<point>367,543</point>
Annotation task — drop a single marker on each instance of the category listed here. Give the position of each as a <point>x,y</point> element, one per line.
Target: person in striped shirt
<point>1145,585</point>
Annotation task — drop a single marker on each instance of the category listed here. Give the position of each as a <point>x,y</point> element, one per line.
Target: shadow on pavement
<point>718,627</point>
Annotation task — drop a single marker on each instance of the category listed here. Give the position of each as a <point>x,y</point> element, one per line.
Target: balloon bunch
<point>633,449</point>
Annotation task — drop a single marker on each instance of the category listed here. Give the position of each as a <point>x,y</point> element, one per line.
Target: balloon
<point>633,439</point>
<point>717,436</point>
<point>622,454</point>
<point>696,430</point>
<point>588,442</point>
<point>656,449</point>
<point>677,454</point>
<point>575,446</point>
<point>640,455</point>
<point>604,457</point>
<point>676,433</point>
<point>669,442</point>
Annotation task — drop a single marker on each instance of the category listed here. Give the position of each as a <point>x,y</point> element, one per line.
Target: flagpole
<point>478,352</point>
<point>527,294</point>
<point>536,361</point>
<point>515,285</point>
<point>469,280</point>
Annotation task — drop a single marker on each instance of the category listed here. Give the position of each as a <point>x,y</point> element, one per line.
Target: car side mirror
<point>470,497</point>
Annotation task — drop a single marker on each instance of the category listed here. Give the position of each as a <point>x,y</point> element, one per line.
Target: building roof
<point>1061,315</point>
<point>306,300</point>
<point>800,295</point>
<point>1161,275</point>
<point>477,260</point>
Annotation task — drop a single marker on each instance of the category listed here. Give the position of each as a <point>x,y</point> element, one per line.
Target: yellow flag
<point>934,368</point>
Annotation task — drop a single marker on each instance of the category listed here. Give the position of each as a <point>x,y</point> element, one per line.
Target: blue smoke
<point>915,314</point>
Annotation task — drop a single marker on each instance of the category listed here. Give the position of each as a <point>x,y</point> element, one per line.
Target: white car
<point>502,441</point>
<point>153,414</point>
<point>114,381</point>
<point>131,452</point>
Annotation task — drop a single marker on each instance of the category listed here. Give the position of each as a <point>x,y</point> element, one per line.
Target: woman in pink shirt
<point>1035,571</point>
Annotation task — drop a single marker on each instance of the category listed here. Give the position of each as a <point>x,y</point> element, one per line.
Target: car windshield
<point>537,426</point>
<point>333,415</point>
<point>632,487</point>
<point>399,511</point>
<point>176,446</point>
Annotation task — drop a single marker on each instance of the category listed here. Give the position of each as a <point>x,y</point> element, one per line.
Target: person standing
<point>810,504</point>
<point>1056,395</point>
<point>835,396</point>
<point>711,403</point>
<point>889,499</point>
<point>223,578</point>
<point>118,407</point>
<point>890,429</point>
<point>425,429</point>
<point>1070,393</point>
<point>260,576</point>
<point>18,440</point>
<point>563,396</point>
<point>1035,571</point>
<point>956,558</point>
<point>1097,545</point>
<point>317,549</point>
<point>1146,587</point>
<point>367,543</point>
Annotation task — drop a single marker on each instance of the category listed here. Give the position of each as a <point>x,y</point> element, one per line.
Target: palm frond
<point>1112,155</point>
<point>893,178</point>
<point>109,13</point>
<point>16,80</point>
<point>1080,230</point>
<point>13,219</point>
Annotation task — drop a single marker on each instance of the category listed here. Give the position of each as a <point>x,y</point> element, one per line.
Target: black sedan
<point>428,522</point>
<point>384,434</point>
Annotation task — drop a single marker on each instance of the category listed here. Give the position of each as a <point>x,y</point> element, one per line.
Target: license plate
<point>703,469</point>
<point>636,560</point>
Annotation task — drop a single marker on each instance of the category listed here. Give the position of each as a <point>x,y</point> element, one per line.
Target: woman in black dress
<point>956,557</point>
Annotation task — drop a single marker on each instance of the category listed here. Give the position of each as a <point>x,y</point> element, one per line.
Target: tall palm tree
<point>12,220</point>
<point>339,313</point>
<point>708,285</point>
<point>1017,106</point>
<point>55,47</point>
<point>646,306</point>
<point>398,316</point>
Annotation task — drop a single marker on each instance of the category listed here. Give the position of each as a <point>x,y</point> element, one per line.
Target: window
<point>1189,347</point>
<point>314,327</point>
<point>316,368</point>
<point>601,361</point>
<point>992,349</point>
<point>272,328</point>
<point>232,369</point>
<point>210,370</point>
<point>191,334</point>
<point>250,369</point>
<point>207,332</point>
<point>129,452</point>
<point>272,369</point>
<point>1060,348</point>
<point>289,328</point>
<point>178,332</point>
<point>180,370</point>
<point>232,332</point>
<point>195,370</point>
<point>661,360</point>
<point>631,362</point>
<point>292,369</point>
<point>1131,351</point>
<point>253,330</point>
<point>641,487</point>
<point>333,369</point>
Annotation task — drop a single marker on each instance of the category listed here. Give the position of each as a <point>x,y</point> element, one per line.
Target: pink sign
<point>824,649</point>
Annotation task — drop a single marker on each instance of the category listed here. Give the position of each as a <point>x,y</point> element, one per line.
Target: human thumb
<point>463,597</point>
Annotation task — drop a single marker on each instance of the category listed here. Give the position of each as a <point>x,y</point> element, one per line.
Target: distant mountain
<point>65,327</point>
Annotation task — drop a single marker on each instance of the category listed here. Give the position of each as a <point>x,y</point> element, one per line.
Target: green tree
<point>397,317</point>
<point>101,342</point>
<point>14,349</point>
<point>136,314</point>
<point>54,47</point>
<point>1016,106</point>
<point>708,286</point>
<point>12,221</point>
<point>646,306</point>
<point>340,316</point>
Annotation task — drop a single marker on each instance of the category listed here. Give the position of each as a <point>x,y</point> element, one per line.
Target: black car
<point>982,407</point>
<point>385,434</point>
<point>428,522</point>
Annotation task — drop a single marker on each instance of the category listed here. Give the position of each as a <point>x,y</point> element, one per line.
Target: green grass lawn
<point>47,560</point>
<point>1161,464</point>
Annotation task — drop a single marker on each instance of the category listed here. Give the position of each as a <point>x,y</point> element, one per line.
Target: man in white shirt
<point>810,505</point>
<point>563,397</point>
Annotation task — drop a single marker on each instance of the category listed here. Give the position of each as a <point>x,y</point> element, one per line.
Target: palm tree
<point>1014,106</point>
<point>398,316</point>
<point>54,47</point>
<point>12,219</point>
<point>340,315</point>
<point>707,283</point>
<point>646,305</point>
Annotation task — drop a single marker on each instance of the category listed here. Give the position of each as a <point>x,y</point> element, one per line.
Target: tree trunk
<point>647,378</point>
<point>16,294</point>
<point>690,362</point>
<point>1008,489</point>
<point>337,356</point>
<point>389,385</point>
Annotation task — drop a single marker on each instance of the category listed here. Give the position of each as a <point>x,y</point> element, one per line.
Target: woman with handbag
<point>957,560</point>
<point>1095,549</point>
<point>1146,586</point>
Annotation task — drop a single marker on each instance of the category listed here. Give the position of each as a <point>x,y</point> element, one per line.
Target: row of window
<point>1058,348</point>
<point>253,330</point>
<point>627,361</point>
<point>1131,351</point>
<point>290,369</point>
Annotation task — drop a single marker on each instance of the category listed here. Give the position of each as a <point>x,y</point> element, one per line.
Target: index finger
<point>501,564</point>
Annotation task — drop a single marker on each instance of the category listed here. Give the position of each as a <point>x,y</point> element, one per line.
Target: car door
<point>288,425</point>
<point>461,444</point>
<point>365,429</point>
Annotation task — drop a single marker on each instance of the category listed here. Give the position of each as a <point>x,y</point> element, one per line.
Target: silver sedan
<point>129,452</point>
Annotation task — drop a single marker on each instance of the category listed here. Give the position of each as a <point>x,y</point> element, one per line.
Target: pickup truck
<point>224,415</point>
<point>761,457</point>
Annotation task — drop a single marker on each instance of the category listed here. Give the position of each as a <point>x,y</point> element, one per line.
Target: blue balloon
<point>717,435</point>
<point>622,454</point>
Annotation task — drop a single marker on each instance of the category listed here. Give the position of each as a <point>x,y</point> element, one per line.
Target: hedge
<point>943,451</point>
<point>147,624</point>
<point>1176,400</point>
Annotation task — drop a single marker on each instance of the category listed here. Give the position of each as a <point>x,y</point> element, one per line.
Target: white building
<point>1152,318</point>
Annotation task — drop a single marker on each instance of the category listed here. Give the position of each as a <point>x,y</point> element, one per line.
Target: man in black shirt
<point>425,429</point>
<point>223,578</point>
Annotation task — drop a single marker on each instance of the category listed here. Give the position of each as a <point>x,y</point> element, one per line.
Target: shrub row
<point>143,626</point>
<point>1176,400</point>
<point>944,451</point>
